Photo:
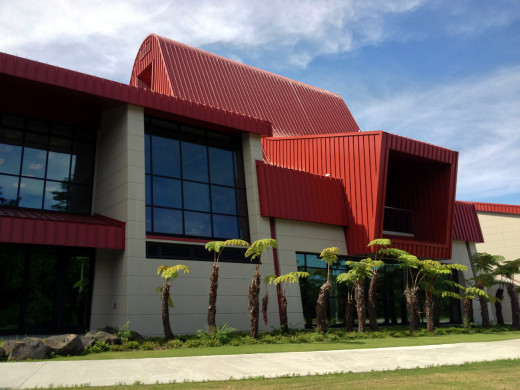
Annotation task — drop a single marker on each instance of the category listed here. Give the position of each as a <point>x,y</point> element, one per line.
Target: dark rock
<point>67,344</point>
<point>2,353</point>
<point>109,329</point>
<point>28,348</point>
<point>87,341</point>
<point>99,335</point>
<point>134,336</point>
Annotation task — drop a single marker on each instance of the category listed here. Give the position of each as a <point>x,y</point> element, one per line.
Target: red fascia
<point>39,227</point>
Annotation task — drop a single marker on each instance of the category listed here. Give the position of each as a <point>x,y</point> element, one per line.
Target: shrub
<point>97,347</point>
<point>174,344</point>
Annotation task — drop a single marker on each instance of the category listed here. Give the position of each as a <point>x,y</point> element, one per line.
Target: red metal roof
<point>24,226</point>
<point>192,74</point>
<point>497,208</point>
<point>113,93</point>
<point>300,196</point>
<point>361,161</point>
<point>466,226</point>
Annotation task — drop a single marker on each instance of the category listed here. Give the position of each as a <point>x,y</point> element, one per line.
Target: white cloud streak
<point>478,116</point>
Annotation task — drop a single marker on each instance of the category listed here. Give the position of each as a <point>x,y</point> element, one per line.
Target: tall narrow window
<point>194,182</point>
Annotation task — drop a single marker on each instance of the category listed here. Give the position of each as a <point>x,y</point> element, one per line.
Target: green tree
<point>168,274</point>
<point>484,266</point>
<point>433,272</point>
<point>329,256</point>
<point>217,247</point>
<point>469,293</point>
<point>348,280</point>
<point>283,281</point>
<point>255,251</point>
<point>360,271</point>
<point>507,271</point>
<point>380,245</point>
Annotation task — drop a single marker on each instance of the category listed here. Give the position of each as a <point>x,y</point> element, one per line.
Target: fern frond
<point>346,277</point>
<point>161,269</point>
<point>451,294</point>
<point>236,242</point>
<point>158,290</point>
<point>269,279</point>
<point>215,246</point>
<point>291,277</point>
<point>173,271</point>
<point>259,246</point>
<point>380,242</point>
<point>394,252</point>
<point>330,255</point>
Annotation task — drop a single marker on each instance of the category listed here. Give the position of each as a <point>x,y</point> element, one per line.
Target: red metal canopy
<point>497,208</point>
<point>293,108</point>
<point>300,196</point>
<point>24,226</point>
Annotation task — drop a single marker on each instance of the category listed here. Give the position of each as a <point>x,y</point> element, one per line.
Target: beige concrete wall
<point>501,237</point>
<point>501,234</point>
<point>119,193</point>
<point>296,236</point>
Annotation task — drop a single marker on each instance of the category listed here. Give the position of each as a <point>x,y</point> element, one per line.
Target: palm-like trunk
<point>372,317</point>
<point>360,304</point>
<point>265,302</point>
<point>498,305</point>
<point>321,305</point>
<point>429,308</point>
<point>484,311</point>
<point>436,311</point>
<point>254,304</point>
<point>212,307</point>
<point>467,312</point>
<point>349,314</point>
<point>515,307</point>
<point>412,298</point>
<point>165,297</point>
<point>283,313</point>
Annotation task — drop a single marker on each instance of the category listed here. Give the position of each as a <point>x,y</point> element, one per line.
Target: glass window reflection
<point>31,193</point>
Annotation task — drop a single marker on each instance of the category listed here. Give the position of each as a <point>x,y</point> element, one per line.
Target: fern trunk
<point>515,306</point>
<point>165,297</point>
<point>436,311</point>
<point>212,307</point>
<point>467,312</point>
<point>321,307</point>
<point>372,316</point>
<point>265,303</point>
<point>360,304</point>
<point>412,298</point>
<point>498,306</point>
<point>284,326</point>
<point>484,311</point>
<point>349,314</point>
<point>429,309</point>
<point>254,305</point>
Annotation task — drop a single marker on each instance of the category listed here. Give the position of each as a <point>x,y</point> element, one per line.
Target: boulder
<point>28,348</point>
<point>2,353</point>
<point>99,335</point>
<point>67,344</point>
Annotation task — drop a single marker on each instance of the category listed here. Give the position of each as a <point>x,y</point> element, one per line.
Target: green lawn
<point>500,374</point>
<point>302,347</point>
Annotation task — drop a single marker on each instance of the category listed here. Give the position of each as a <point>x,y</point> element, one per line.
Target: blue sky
<point>443,72</point>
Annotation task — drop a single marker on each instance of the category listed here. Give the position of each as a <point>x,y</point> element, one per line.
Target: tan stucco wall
<point>501,237</point>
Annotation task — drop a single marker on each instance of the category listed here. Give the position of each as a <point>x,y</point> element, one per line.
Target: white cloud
<point>478,116</point>
<point>105,35</point>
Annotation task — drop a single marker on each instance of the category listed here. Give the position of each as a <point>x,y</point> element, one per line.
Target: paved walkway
<point>206,368</point>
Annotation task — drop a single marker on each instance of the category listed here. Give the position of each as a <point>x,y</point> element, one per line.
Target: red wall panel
<point>466,226</point>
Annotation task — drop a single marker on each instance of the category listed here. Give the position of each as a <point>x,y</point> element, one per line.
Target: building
<point>102,182</point>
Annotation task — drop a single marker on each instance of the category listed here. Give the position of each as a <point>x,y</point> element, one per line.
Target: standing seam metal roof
<point>292,107</point>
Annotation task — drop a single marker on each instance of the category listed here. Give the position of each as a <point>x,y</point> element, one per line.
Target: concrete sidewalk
<point>213,368</point>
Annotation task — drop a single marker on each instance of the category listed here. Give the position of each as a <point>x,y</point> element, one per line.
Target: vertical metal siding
<point>301,196</point>
<point>361,161</point>
<point>466,226</point>
<point>497,208</point>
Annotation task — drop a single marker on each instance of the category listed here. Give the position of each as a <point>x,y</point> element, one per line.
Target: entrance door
<point>44,289</point>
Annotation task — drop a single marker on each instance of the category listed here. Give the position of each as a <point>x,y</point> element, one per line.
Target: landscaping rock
<point>99,335</point>
<point>67,344</point>
<point>2,353</point>
<point>28,348</point>
<point>87,341</point>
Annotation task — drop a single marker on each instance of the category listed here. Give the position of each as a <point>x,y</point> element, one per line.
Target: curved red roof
<point>293,108</point>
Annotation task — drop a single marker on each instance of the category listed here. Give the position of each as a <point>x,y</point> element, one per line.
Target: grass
<point>298,342</point>
<point>500,374</point>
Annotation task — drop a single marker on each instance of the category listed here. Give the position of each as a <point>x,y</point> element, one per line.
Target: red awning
<point>25,226</point>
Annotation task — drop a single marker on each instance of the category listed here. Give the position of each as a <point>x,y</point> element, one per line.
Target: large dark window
<point>45,165</point>
<point>194,182</point>
<point>44,289</point>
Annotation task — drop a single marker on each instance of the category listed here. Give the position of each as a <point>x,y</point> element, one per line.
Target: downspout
<point>276,268</point>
